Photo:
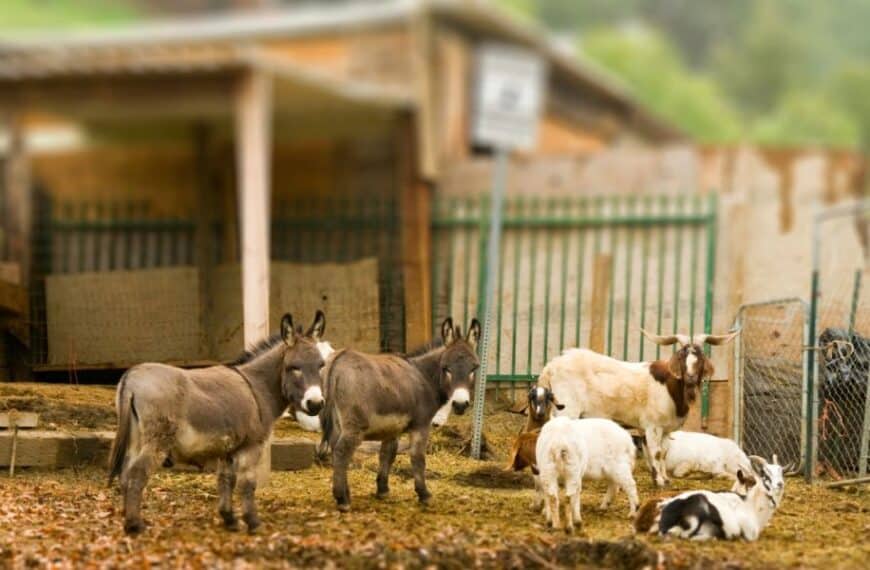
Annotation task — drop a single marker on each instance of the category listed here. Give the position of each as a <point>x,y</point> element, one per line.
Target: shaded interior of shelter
<point>136,236</point>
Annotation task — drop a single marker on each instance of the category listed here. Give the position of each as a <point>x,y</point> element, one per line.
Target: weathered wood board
<point>12,419</point>
<point>55,449</point>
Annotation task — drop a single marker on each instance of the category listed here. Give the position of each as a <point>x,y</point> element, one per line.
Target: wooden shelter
<point>205,139</point>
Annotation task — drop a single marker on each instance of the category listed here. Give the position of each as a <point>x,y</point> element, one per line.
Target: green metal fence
<point>658,253</point>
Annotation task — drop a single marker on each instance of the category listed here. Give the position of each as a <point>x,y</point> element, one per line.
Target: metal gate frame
<point>861,206</point>
<point>458,224</point>
<point>738,393</point>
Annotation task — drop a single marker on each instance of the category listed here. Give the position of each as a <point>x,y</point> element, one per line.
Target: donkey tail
<point>330,428</point>
<point>126,413</point>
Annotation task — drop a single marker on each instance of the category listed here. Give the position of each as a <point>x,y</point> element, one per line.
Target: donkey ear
<point>287,331</point>
<point>447,333</point>
<point>317,327</point>
<point>473,336</point>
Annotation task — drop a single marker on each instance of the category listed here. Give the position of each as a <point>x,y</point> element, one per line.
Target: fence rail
<point>577,271</point>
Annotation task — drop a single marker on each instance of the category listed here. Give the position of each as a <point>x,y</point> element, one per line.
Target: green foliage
<point>850,90</point>
<point>20,15</point>
<point>654,72</point>
<point>765,62</point>
<point>806,119</point>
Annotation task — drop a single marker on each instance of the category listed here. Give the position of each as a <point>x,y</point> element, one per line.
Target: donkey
<point>380,397</point>
<point>223,413</point>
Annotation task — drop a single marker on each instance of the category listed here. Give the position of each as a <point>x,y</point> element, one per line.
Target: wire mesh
<point>771,380</point>
<point>843,404</point>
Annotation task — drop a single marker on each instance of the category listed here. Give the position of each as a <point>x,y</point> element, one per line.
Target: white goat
<point>694,452</point>
<point>562,458</point>
<point>610,455</point>
<point>652,396</point>
<point>702,515</point>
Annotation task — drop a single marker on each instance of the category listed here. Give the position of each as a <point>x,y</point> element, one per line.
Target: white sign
<point>509,97</point>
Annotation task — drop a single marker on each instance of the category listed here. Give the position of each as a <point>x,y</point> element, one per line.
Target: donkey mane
<point>261,347</point>
<point>424,349</point>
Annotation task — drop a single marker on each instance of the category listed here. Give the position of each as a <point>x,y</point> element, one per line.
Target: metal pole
<point>499,182</point>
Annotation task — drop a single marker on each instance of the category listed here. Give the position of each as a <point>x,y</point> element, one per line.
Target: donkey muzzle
<point>460,401</point>
<point>312,401</point>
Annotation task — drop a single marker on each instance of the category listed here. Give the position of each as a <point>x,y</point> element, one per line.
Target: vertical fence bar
<point>466,256</point>
<point>629,260</point>
<point>520,212</point>
<point>809,464</point>
<point>566,209</point>
<point>548,270</point>
<point>581,266</point>
<point>856,293</point>
<point>709,299</point>
<point>678,264</point>
<point>500,301</point>
<point>533,210</point>
<point>663,201</point>
<point>645,239</point>
<point>614,248</point>
<point>693,266</point>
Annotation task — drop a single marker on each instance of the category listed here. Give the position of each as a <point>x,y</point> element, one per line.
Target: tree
<point>851,91</point>
<point>657,76</point>
<point>806,119</point>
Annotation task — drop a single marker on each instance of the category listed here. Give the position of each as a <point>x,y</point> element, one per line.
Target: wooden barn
<point>170,190</point>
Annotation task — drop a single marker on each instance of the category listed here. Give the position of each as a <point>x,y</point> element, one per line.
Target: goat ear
<point>775,459</point>
<point>447,332</point>
<point>287,331</point>
<point>675,366</point>
<point>757,463</point>
<point>317,327</point>
<point>473,336</point>
<point>556,402</point>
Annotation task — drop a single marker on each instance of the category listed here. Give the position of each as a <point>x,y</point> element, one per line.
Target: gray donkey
<point>380,397</point>
<point>168,414</point>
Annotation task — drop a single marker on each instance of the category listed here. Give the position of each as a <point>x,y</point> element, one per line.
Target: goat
<point>702,515</point>
<point>688,452</point>
<point>611,453</point>
<point>652,396</point>
<point>562,458</point>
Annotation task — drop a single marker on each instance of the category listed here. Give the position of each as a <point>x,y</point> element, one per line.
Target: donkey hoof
<point>134,527</point>
<point>253,525</point>
<point>232,525</point>
<point>382,494</point>
<point>343,507</point>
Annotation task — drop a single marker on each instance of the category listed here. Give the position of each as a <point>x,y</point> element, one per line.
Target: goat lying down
<point>652,396</point>
<point>703,515</point>
<point>609,454</point>
<point>688,452</point>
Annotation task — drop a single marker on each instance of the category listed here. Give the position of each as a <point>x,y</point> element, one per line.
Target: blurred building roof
<point>224,42</point>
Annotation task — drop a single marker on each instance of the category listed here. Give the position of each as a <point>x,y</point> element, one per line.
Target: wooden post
<point>206,197</point>
<point>415,201</point>
<point>18,202</point>
<point>601,279</point>
<point>253,156</point>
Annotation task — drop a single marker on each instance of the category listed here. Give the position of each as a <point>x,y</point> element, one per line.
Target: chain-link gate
<point>840,344</point>
<point>770,384</point>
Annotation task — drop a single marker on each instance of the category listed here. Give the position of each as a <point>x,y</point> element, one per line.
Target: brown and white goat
<point>652,396</point>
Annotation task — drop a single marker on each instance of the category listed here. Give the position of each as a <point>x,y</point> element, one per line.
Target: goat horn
<point>715,339</point>
<point>666,340</point>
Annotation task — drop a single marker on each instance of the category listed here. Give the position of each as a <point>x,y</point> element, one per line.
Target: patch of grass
<point>21,15</point>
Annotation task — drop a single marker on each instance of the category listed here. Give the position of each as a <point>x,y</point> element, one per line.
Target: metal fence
<point>770,380</point>
<point>577,271</point>
<point>839,412</point>
<point>111,236</point>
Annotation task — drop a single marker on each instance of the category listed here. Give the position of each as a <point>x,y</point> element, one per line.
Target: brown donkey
<point>225,413</point>
<point>380,397</point>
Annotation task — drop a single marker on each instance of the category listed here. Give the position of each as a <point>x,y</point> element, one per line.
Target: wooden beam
<point>415,201</point>
<point>253,156</point>
<point>18,201</point>
<point>601,280</point>
<point>422,33</point>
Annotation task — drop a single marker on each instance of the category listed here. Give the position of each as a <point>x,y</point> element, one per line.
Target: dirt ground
<point>480,515</point>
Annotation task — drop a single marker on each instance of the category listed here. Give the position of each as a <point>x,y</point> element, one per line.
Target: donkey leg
<point>387,457</point>
<point>246,462</point>
<point>419,440</point>
<point>226,477</point>
<point>342,453</point>
<point>134,479</point>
